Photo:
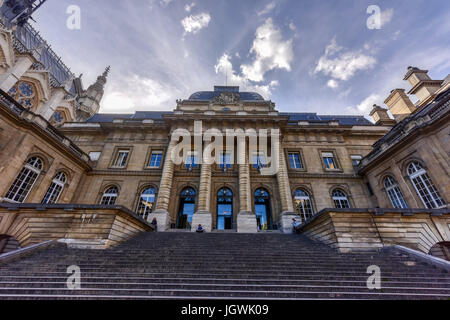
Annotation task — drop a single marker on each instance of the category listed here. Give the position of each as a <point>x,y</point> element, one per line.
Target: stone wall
<point>349,230</point>
<point>96,226</point>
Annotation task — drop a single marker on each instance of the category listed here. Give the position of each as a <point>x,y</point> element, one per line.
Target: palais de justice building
<point>58,153</point>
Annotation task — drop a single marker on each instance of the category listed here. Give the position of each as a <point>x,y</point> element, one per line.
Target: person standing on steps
<point>294,225</point>
<point>200,229</point>
<point>154,224</point>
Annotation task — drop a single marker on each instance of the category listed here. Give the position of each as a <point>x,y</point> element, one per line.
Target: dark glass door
<point>262,210</point>
<point>224,209</point>
<point>187,209</point>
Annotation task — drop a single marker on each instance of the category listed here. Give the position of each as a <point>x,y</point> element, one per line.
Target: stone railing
<point>363,229</point>
<point>90,226</point>
<point>8,102</point>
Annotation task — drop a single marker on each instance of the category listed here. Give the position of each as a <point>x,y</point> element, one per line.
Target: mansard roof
<point>218,90</point>
<point>314,117</point>
<point>293,118</point>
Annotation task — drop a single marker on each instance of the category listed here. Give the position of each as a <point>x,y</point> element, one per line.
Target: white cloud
<point>333,84</point>
<point>165,3</point>
<point>196,23</point>
<point>342,65</point>
<point>189,7</point>
<point>146,93</point>
<point>224,66</point>
<point>386,16</point>
<point>367,104</point>
<point>271,52</point>
<point>292,26</point>
<point>269,7</point>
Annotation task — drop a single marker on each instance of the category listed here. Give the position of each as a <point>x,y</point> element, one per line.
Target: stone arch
<point>105,187</point>
<point>67,117</point>
<point>143,186</point>
<point>344,188</point>
<point>45,161</point>
<point>310,192</point>
<point>41,79</point>
<point>407,162</point>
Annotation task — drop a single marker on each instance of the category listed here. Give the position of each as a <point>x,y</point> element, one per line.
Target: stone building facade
<point>55,148</point>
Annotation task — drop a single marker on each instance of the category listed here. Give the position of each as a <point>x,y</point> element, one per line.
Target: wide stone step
<point>225,276</point>
<point>326,293</point>
<point>241,285</point>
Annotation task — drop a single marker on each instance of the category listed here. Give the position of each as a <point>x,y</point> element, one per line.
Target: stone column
<point>203,216</point>
<point>287,207</point>
<point>246,220</point>
<point>9,79</point>
<point>164,193</point>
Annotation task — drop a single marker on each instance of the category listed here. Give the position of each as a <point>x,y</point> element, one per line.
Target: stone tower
<point>89,100</point>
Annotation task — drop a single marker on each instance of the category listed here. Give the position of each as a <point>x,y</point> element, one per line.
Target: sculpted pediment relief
<point>227,98</point>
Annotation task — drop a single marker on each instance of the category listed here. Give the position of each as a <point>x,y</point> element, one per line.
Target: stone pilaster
<point>246,220</point>
<point>164,193</point>
<point>287,207</point>
<point>203,215</point>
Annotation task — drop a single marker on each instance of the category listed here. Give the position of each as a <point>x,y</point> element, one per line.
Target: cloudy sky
<point>306,56</point>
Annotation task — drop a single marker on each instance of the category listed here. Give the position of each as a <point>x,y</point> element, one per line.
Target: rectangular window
<point>356,159</point>
<point>329,161</point>
<point>259,160</point>
<point>225,160</point>
<point>295,160</point>
<point>155,159</point>
<point>94,155</point>
<point>191,160</point>
<point>121,159</point>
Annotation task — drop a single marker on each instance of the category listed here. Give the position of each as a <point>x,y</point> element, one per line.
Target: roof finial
<point>105,74</point>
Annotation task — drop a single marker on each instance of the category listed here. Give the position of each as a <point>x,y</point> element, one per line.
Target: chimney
<point>399,104</point>
<point>422,85</point>
<point>381,117</point>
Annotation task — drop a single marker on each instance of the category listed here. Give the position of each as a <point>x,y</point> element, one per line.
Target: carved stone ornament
<point>227,98</point>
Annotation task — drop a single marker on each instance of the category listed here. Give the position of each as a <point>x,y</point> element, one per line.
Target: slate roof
<point>210,95</point>
<point>293,117</point>
<point>314,117</point>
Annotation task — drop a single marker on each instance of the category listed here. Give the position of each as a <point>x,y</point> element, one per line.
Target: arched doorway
<point>263,209</point>
<point>186,209</point>
<point>224,209</point>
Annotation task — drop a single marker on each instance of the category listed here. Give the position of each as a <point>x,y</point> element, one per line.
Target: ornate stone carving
<point>227,98</point>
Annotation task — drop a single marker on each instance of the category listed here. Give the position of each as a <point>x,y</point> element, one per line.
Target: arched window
<point>25,180</point>
<point>110,196</point>
<point>24,92</point>
<point>263,210</point>
<point>186,209</point>
<point>224,209</point>
<point>303,204</point>
<point>424,186</point>
<point>340,199</point>
<point>146,202</point>
<point>394,193</point>
<point>55,189</point>
<point>58,118</point>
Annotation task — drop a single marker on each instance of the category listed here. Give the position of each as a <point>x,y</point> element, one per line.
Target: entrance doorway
<point>224,209</point>
<point>263,209</point>
<point>187,208</point>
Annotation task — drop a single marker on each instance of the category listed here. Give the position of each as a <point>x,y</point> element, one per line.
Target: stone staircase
<point>220,266</point>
